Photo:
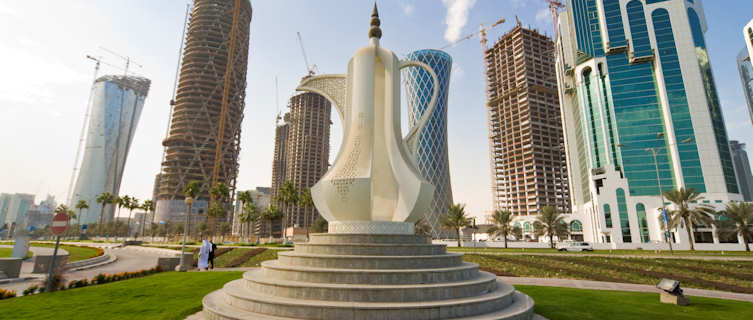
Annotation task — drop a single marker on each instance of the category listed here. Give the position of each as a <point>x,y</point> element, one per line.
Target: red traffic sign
<point>59,224</point>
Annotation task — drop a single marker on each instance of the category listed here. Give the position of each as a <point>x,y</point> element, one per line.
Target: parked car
<point>575,246</point>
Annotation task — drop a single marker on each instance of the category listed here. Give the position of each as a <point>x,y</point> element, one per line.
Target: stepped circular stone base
<point>370,227</point>
<point>367,276</point>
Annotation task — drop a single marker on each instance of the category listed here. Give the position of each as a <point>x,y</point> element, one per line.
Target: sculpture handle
<point>411,139</point>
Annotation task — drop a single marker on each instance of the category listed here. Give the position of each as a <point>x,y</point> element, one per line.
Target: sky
<point>45,77</point>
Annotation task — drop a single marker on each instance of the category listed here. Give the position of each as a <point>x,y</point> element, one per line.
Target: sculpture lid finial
<point>375,31</point>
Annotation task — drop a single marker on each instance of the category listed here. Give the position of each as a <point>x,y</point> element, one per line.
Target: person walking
<point>211,254</point>
<point>204,252</point>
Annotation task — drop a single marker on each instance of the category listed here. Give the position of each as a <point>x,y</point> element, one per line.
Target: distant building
<point>742,169</point>
<point>37,219</point>
<point>526,141</point>
<point>261,200</point>
<point>4,204</point>
<point>18,205</point>
<point>117,102</point>
<point>48,205</point>
<point>306,152</point>
<point>642,116</point>
<point>745,68</point>
<point>431,156</point>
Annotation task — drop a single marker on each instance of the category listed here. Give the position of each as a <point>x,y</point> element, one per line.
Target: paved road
<point>129,259</point>
<point>601,285</point>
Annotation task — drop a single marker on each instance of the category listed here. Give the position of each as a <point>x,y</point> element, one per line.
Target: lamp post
<point>667,237</point>
<point>182,267</point>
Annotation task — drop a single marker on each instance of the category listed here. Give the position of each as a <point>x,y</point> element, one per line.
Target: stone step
<point>274,270</point>
<point>341,238</point>
<point>369,262</point>
<point>215,308</point>
<point>483,284</point>
<point>372,249</point>
<point>246,304</point>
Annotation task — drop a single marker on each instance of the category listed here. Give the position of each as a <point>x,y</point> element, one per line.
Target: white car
<point>575,246</point>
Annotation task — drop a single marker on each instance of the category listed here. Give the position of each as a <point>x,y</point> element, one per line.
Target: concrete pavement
<point>128,259</point>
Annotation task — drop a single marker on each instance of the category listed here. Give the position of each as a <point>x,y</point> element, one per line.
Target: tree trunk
<point>101,214</point>
<point>128,233</point>
<point>745,239</point>
<point>505,235</point>
<point>551,240</point>
<point>460,244</point>
<point>688,227</point>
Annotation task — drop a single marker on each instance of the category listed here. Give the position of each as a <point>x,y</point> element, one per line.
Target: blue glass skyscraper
<point>641,116</point>
<point>431,156</point>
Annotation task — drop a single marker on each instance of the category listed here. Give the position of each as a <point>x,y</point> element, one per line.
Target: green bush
<point>30,290</point>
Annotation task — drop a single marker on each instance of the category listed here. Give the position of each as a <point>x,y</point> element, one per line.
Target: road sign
<point>83,226</point>
<point>59,224</point>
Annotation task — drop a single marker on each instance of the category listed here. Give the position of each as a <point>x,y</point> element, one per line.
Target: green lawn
<point>605,252</point>
<point>75,253</point>
<point>256,260</point>
<point>174,295</point>
<point>580,304</point>
<point>169,295</point>
<point>7,252</point>
<point>735,276</point>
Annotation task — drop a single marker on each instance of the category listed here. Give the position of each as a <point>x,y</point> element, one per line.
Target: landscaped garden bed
<point>731,276</point>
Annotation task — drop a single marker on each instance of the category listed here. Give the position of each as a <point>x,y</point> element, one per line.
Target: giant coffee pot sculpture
<point>373,186</point>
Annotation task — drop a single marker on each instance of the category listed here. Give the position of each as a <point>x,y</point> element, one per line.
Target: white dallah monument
<point>369,265</point>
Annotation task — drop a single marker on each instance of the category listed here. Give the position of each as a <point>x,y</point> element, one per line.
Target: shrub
<point>30,290</point>
<point>7,294</point>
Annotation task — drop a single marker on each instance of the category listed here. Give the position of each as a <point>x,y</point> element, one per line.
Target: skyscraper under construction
<point>204,135</point>
<point>301,152</point>
<point>528,164</point>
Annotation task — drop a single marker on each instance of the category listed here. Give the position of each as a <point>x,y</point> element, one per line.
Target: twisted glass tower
<point>431,156</point>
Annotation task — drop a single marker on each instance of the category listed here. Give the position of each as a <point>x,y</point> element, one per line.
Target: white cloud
<point>457,17</point>
<point>543,15</point>
<point>407,7</point>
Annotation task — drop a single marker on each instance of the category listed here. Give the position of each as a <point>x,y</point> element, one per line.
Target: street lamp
<point>182,267</point>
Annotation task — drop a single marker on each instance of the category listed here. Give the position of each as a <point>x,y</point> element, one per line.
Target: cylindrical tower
<point>215,57</point>
<point>431,156</point>
<point>117,102</point>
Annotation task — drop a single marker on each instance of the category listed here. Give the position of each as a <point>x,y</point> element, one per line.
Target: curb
<point>14,280</point>
<point>111,258</point>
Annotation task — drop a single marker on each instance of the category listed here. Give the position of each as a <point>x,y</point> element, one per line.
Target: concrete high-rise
<point>204,136</point>
<point>745,68</point>
<point>306,151</point>
<point>641,116</point>
<point>116,105</point>
<point>742,169</point>
<point>431,154</point>
<point>528,164</point>
<point>16,206</point>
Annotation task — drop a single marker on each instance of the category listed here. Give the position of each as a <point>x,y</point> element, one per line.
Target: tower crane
<point>553,6</point>
<point>482,31</point>
<point>128,60</point>
<point>310,69</point>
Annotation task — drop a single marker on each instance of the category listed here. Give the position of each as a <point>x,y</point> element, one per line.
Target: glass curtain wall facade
<point>431,156</point>
<point>637,93</point>
<point>117,102</point>
<point>745,68</point>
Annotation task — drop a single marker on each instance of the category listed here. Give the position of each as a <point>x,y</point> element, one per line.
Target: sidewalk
<point>615,286</point>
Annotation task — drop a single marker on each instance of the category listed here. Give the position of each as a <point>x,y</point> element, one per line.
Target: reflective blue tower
<point>431,157</point>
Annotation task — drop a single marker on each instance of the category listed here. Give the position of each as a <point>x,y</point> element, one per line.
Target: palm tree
<point>190,191</point>
<point>105,198</point>
<point>700,214</point>
<point>119,202</point>
<point>551,223</point>
<point>421,227</point>
<point>501,224</point>
<point>219,192</point>
<point>243,198</point>
<point>249,215</point>
<point>81,205</point>
<point>147,206</point>
<point>739,221</point>
<point>286,196</point>
<point>320,225</point>
<point>133,203</point>
<point>305,201</point>
<point>270,214</point>
<point>68,212</point>
<point>456,220</point>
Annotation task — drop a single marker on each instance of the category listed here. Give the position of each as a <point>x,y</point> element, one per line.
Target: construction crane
<point>553,6</point>
<point>128,60</point>
<point>482,31</point>
<point>310,69</point>
<point>218,159</point>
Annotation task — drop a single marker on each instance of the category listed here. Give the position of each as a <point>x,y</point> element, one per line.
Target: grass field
<point>605,252</point>
<point>735,276</point>
<point>74,253</point>
<point>174,295</point>
<point>7,252</point>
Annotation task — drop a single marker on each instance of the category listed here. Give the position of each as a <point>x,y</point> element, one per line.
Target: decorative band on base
<point>370,227</point>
